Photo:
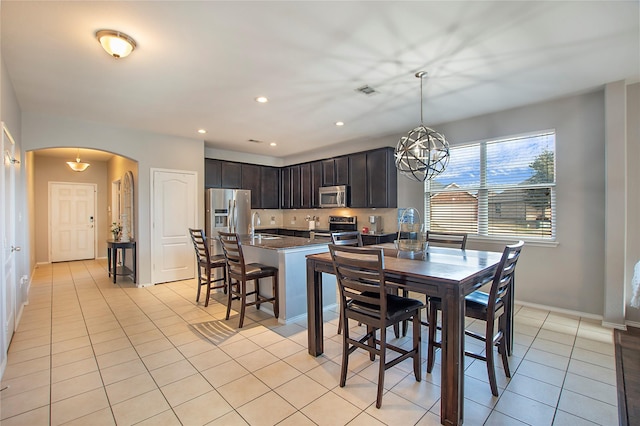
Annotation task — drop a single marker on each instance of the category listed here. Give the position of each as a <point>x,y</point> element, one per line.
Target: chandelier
<point>423,153</point>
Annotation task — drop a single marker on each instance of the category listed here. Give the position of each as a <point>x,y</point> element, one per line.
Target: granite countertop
<point>276,242</point>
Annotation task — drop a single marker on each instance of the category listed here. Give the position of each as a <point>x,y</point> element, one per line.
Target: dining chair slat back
<point>207,264</point>
<point>240,273</point>
<point>364,298</point>
<point>488,307</point>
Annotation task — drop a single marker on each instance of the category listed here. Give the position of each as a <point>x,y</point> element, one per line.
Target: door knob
<point>15,248</point>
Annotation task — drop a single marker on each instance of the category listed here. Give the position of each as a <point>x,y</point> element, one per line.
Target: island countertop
<point>280,242</point>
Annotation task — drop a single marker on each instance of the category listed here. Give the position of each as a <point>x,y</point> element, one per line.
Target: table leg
<point>452,374</point>
<point>114,260</point>
<point>314,310</point>
<point>109,260</point>
<point>134,264</point>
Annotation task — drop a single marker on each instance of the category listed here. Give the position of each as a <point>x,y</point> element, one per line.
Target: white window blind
<point>502,187</point>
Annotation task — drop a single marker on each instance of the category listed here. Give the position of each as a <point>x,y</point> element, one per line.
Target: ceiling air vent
<point>254,141</point>
<point>367,90</point>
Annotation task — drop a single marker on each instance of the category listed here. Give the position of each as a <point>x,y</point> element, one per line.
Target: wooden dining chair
<point>487,307</point>
<point>364,298</point>
<point>345,238</point>
<point>207,264</point>
<point>447,239</point>
<point>444,239</point>
<point>242,273</point>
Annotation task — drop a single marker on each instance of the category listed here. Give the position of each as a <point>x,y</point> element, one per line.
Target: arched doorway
<point>106,169</point>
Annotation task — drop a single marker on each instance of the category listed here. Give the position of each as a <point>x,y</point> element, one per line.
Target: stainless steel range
<point>336,224</point>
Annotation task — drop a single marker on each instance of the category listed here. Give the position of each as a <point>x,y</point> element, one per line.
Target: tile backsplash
<point>299,218</point>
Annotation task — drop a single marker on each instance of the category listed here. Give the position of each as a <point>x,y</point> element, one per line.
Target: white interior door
<point>71,221</point>
<point>7,267</point>
<point>174,210</point>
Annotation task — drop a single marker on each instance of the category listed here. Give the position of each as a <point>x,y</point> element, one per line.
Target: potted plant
<point>116,230</point>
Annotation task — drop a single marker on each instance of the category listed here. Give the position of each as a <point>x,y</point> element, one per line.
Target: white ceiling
<point>200,64</point>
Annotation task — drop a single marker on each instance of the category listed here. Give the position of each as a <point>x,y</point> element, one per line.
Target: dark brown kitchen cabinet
<point>382,179</point>
<point>358,180</point>
<point>212,173</point>
<point>231,175</point>
<point>251,180</point>
<point>296,193</point>
<point>286,200</point>
<point>305,186</point>
<point>341,170</point>
<point>328,172</point>
<point>316,183</point>
<point>270,184</point>
<point>335,171</point>
<point>373,179</point>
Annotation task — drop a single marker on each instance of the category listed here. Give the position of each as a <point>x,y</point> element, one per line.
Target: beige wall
<point>116,169</point>
<point>55,169</point>
<point>150,150</point>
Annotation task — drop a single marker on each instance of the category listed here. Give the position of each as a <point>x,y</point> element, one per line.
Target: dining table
<point>447,273</point>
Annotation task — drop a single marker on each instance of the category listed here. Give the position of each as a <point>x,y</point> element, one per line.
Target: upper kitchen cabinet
<point>335,171</point>
<point>251,180</point>
<point>270,185</point>
<point>316,182</point>
<point>373,179</point>
<point>286,196</point>
<point>212,173</point>
<point>264,183</point>
<point>231,175</point>
<point>305,187</point>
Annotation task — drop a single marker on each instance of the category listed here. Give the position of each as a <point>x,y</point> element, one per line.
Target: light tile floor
<point>88,352</point>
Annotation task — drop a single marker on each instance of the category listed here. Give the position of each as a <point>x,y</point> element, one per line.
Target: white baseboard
<point>560,310</point>
<point>633,324</point>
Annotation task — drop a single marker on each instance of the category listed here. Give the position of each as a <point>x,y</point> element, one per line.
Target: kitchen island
<point>288,254</point>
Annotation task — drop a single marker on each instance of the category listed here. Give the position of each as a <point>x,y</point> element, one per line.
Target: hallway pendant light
<point>116,43</point>
<point>78,166</point>
<point>423,153</point>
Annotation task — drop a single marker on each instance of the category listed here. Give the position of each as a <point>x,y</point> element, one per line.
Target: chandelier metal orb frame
<point>423,153</point>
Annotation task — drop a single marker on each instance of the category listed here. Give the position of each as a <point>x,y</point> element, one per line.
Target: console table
<point>112,258</point>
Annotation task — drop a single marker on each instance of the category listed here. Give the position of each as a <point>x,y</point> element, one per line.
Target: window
<point>501,187</point>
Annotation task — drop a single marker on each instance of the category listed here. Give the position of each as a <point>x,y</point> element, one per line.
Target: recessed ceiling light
<point>339,123</point>
<point>262,99</point>
<point>202,131</point>
<point>273,144</point>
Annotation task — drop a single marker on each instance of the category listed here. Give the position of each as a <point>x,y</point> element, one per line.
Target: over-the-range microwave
<point>334,196</point>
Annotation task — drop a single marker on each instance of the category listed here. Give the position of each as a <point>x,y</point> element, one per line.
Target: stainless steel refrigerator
<point>227,210</point>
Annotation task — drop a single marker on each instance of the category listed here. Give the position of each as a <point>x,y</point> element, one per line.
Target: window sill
<point>503,240</point>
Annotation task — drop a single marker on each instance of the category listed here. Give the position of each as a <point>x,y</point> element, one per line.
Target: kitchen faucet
<point>252,229</point>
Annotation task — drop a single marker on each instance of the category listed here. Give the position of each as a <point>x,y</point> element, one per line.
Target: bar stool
<point>207,264</point>
<point>242,272</point>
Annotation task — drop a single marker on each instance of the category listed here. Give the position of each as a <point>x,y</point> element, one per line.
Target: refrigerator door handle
<point>235,217</point>
<point>230,217</point>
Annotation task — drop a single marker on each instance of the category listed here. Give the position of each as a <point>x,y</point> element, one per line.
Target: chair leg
<point>381,369</point>
<point>243,301</point>
<point>208,274</point>
<point>199,284</point>
<point>491,370</point>
<point>417,347</point>
<point>224,279</point>
<point>276,302</point>
<point>256,284</point>
<point>431,348</point>
<point>503,347</point>
<point>345,358</point>
<point>230,298</point>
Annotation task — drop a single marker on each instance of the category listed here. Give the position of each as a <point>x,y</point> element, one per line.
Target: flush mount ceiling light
<point>423,153</point>
<point>262,99</point>
<point>78,166</point>
<point>202,131</point>
<point>116,43</point>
